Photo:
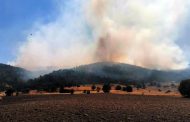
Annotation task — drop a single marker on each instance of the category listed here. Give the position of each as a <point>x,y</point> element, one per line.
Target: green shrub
<point>141,86</point>
<point>88,92</point>
<point>25,91</point>
<point>61,89</point>
<point>98,89</point>
<point>84,91</point>
<point>128,89</point>
<point>9,92</point>
<point>168,91</point>
<point>118,87</point>
<point>106,88</point>
<point>93,87</point>
<point>72,91</point>
<point>184,88</point>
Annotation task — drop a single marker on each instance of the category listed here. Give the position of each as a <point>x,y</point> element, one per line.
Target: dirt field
<point>94,107</point>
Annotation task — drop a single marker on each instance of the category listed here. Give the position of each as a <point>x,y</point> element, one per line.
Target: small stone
<point>85,114</point>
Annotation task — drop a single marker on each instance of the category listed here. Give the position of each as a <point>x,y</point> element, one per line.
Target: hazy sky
<point>65,33</point>
<point>16,18</point>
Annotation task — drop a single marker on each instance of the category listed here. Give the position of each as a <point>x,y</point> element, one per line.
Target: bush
<point>72,91</point>
<point>52,89</point>
<point>98,89</point>
<point>124,89</point>
<point>168,91</point>
<point>106,88</point>
<point>159,90</point>
<point>25,91</point>
<point>138,86</point>
<point>84,91</point>
<point>141,86</point>
<point>118,87</point>
<point>93,87</point>
<point>184,88</point>
<point>88,92</point>
<point>17,93</point>
<point>128,89</point>
<point>173,85</point>
<point>9,92</point>
<point>61,89</point>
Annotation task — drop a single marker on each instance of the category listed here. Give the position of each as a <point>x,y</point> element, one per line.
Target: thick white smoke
<point>139,32</point>
<point>61,43</point>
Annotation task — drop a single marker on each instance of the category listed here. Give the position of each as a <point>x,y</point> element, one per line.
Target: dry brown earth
<point>94,107</point>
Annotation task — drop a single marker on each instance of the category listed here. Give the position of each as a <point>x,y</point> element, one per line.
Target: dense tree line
<point>67,78</point>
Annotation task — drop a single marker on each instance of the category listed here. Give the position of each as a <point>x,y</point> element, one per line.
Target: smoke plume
<point>138,32</point>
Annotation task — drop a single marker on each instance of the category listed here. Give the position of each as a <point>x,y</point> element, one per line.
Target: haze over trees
<point>12,77</point>
<point>97,73</point>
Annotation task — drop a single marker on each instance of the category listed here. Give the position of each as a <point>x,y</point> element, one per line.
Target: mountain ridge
<point>107,72</point>
<point>99,72</point>
<point>128,69</point>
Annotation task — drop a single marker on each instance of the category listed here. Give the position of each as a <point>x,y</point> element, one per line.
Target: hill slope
<point>107,72</point>
<point>126,71</point>
<point>12,76</point>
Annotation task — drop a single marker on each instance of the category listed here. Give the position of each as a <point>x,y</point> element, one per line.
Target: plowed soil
<point>95,108</point>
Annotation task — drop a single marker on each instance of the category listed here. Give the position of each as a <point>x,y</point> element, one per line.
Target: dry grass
<point>148,91</point>
<point>154,91</point>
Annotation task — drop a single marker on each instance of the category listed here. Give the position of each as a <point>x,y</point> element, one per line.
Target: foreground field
<point>94,107</point>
